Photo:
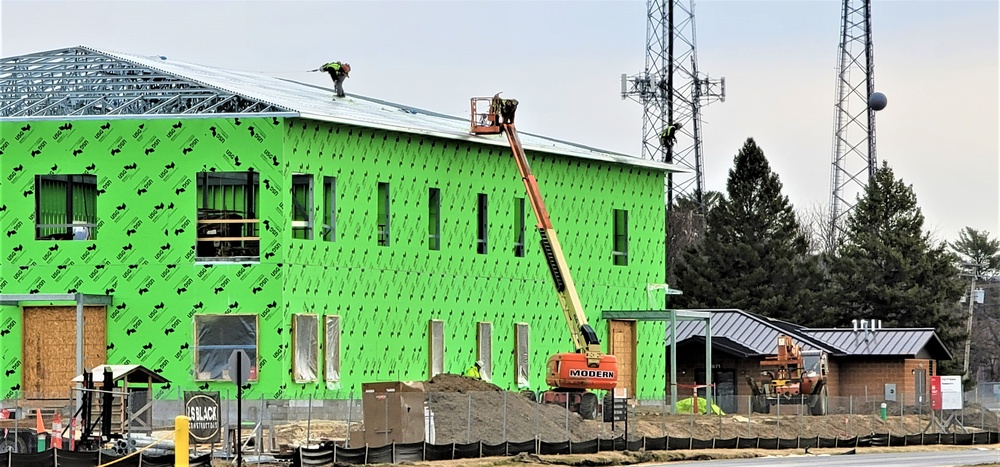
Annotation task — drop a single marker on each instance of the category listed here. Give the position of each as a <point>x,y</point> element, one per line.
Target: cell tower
<point>671,90</point>
<point>854,160</point>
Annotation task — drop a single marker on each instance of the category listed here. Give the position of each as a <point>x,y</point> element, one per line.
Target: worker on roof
<point>475,371</point>
<point>669,135</point>
<point>338,72</point>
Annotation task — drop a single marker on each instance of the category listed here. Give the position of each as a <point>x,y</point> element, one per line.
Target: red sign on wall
<point>935,393</point>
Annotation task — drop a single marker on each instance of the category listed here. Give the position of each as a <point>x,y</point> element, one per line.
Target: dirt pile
<point>446,382</point>
<point>467,409</point>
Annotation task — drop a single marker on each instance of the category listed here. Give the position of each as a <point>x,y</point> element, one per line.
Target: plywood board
<point>623,348</point>
<point>50,348</point>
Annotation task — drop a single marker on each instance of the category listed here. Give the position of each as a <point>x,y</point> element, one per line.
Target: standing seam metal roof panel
<point>891,341</point>
<point>314,102</point>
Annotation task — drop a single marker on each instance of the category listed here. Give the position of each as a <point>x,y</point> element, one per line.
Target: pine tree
<point>976,247</point>
<point>753,256</point>
<point>887,267</point>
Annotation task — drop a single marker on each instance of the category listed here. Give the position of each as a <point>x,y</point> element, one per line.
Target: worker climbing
<point>505,108</point>
<point>669,135</point>
<point>475,371</point>
<point>338,72</point>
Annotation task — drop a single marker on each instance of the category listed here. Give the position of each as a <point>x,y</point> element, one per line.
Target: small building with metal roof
<point>865,362</point>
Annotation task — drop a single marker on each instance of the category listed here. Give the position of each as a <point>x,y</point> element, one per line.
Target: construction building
<point>181,212</point>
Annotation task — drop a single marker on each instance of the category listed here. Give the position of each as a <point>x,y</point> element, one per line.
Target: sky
<point>935,60</point>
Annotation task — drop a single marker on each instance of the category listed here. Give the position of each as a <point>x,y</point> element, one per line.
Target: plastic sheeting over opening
<point>216,337</point>
<point>437,347</point>
<point>306,355</point>
<point>522,339</point>
<point>333,348</point>
<point>484,339</point>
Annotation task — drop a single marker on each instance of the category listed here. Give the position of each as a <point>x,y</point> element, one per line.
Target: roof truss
<point>79,81</point>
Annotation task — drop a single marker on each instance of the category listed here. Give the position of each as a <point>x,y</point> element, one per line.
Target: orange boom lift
<point>571,375</point>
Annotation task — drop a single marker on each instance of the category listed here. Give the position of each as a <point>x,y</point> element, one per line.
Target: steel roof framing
<point>79,81</point>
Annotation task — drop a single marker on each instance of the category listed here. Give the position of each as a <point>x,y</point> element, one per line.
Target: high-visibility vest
<point>473,373</point>
<point>335,66</point>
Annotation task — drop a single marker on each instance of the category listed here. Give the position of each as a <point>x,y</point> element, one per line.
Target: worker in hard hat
<point>475,371</point>
<point>669,135</point>
<point>338,72</point>
<point>505,108</point>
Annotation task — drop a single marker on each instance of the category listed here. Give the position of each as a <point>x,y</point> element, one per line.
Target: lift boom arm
<point>584,338</point>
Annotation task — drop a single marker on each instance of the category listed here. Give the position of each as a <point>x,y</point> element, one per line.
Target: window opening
<point>302,206</point>
<point>66,207</point>
<point>620,250</point>
<point>521,340</point>
<point>383,214</point>
<point>216,337</point>
<point>482,245</point>
<point>484,342</point>
<point>333,348</point>
<point>436,354</point>
<point>329,209</point>
<point>519,227</point>
<point>434,219</point>
<point>227,216</point>
<point>305,348</point>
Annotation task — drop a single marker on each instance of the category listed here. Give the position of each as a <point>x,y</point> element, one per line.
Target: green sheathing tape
<point>386,295</point>
<point>144,253</point>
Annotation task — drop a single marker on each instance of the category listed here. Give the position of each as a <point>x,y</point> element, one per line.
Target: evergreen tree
<point>976,247</point>
<point>753,256</point>
<point>886,266</point>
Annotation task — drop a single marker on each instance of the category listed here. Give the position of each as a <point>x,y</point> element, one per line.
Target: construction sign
<point>202,409</point>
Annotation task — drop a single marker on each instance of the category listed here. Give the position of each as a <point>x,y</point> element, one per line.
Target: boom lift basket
<point>485,116</point>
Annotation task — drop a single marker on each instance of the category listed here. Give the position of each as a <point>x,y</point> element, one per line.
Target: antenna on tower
<point>672,91</point>
<point>854,160</point>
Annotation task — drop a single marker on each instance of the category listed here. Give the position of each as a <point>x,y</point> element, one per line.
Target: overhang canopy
<point>127,373</point>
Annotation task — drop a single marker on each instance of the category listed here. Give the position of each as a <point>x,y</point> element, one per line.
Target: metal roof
<point>84,82</point>
<point>908,342</point>
<point>756,333</point>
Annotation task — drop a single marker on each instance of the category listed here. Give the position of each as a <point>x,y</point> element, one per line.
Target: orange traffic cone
<point>40,429</point>
<point>57,431</point>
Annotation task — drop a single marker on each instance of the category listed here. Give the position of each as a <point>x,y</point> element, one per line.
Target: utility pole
<point>975,268</point>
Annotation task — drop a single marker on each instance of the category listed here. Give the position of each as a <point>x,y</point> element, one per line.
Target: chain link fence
<point>492,417</point>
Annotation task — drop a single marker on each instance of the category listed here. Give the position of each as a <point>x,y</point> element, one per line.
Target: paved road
<point>901,459</point>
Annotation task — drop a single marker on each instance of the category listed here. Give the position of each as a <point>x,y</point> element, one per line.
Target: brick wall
<point>860,377</point>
